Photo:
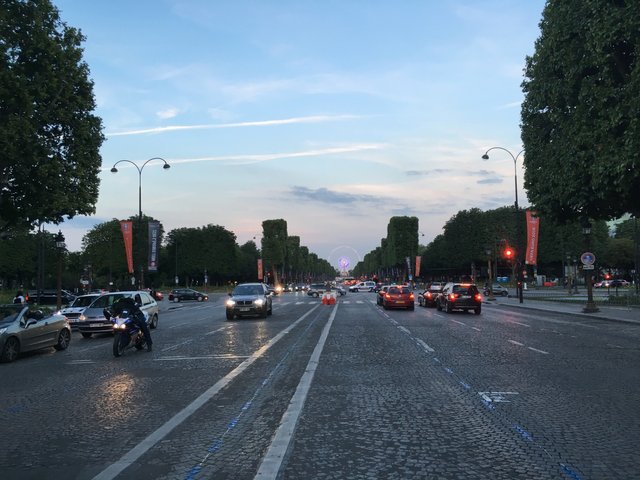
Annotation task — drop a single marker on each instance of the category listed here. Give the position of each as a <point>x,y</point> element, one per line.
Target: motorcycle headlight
<point>259,302</point>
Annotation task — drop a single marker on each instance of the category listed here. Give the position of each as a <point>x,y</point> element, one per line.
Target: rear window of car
<point>465,289</point>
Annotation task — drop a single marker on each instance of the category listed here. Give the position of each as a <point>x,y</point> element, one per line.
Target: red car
<point>398,297</point>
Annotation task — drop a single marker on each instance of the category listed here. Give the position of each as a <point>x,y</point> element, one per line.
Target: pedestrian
<point>19,298</point>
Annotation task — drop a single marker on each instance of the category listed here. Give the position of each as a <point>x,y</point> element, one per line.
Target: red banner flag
<point>127,234</point>
<point>418,261</point>
<point>260,269</point>
<point>533,228</point>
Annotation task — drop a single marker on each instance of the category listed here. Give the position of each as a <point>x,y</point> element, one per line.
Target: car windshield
<point>9,313</point>
<point>247,290</point>
<point>106,300</point>
<point>83,301</point>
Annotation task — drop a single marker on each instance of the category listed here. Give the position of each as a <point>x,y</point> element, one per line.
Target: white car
<point>73,311</point>
<point>367,286</point>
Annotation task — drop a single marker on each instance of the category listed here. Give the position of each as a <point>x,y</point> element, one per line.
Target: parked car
<point>398,296</point>
<point>459,296</point>
<point>367,286</point>
<point>429,296</point>
<point>50,297</point>
<point>24,328</point>
<point>497,290</point>
<point>617,283</point>
<point>182,294</point>
<point>92,320</point>
<point>73,311</point>
<point>249,299</point>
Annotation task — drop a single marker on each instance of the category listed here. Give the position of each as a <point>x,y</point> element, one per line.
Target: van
<point>368,286</point>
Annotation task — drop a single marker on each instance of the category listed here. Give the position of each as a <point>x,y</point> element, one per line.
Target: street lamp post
<point>166,166</point>
<point>60,246</point>
<point>517,263</point>
<point>591,306</point>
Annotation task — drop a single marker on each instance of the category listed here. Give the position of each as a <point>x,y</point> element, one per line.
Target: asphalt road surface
<point>345,391</point>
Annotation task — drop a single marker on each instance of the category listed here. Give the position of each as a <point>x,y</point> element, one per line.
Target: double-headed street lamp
<point>166,166</point>
<point>517,222</point>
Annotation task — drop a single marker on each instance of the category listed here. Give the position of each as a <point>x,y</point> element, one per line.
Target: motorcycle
<point>126,333</point>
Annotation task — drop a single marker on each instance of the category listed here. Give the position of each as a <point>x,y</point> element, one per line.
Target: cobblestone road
<point>332,392</point>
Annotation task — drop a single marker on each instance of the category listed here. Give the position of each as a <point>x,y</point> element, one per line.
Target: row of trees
<point>188,256</point>
<point>473,237</point>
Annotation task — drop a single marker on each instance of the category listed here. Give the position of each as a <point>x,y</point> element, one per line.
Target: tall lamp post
<point>166,166</point>
<point>517,263</point>
<point>60,246</point>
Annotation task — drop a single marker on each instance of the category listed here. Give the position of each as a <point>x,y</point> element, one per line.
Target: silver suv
<point>92,320</point>
<point>249,299</point>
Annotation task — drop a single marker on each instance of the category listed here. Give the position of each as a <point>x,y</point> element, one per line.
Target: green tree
<point>274,245</point>
<point>581,113</point>
<point>103,249</point>
<point>49,138</point>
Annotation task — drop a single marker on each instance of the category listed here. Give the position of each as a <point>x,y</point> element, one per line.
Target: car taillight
<point>453,296</point>
<point>478,297</point>
<point>429,295</point>
<point>386,295</point>
<point>411,297</point>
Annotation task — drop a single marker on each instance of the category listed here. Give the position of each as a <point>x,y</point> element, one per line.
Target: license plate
<point>95,325</point>
<point>400,302</point>
<point>244,309</point>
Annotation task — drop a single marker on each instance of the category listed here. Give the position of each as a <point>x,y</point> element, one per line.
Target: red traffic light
<point>508,252</point>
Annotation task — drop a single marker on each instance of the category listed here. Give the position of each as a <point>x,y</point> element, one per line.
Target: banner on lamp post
<point>533,229</point>
<point>127,234</point>
<point>418,262</point>
<point>260,275</point>
<point>154,236</point>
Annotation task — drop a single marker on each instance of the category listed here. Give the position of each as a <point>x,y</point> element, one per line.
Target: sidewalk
<point>615,314</point>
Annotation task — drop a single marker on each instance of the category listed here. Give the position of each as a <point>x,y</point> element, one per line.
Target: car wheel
<point>478,310</point>
<point>447,308</point>
<point>64,338</point>
<point>264,313</point>
<point>176,299</point>
<point>270,311</point>
<point>438,306</point>
<point>200,299</point>
<point>316,294</point>
<point>229,315</point>
<point>86,334</point>
<point>11,350</point>
<point>505,293</point>
<point>154,322</point>
<point>412,307</point>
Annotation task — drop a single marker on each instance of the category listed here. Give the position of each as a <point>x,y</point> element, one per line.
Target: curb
<point>597,315</point>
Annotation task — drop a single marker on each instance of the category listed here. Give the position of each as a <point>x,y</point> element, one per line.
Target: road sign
<point>588,258</point>
<point>587,267</point>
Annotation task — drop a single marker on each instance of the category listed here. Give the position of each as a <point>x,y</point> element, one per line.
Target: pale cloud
<point>261,123</point>
<point>168,113</point>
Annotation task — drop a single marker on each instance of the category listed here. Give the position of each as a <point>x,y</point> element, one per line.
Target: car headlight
<point>82,318</point>
<point>259,302</point>
<point>231,303</point>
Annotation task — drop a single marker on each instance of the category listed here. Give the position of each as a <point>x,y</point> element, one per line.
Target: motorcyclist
<point>132,305</point>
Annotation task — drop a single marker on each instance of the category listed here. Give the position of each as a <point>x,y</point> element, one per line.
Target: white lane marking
<point>359,301</point>
<point>400,327</point>
<point>173,347</point>
<point>205,357</point>
<point>539,351</point>
<point>146,444</point>
<point>425,346</point>
<point>520,323</point>
<point>516,343</point>
<point>496,397</point>
<point>300,303</point>
<point>476,328</point>
<point>215,331</point>
<point>457,321</point>
<point>272,460</point>
<point>80,362</point>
